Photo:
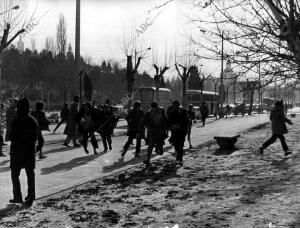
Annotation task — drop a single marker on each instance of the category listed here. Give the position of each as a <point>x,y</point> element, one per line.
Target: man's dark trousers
<point>15,174</point>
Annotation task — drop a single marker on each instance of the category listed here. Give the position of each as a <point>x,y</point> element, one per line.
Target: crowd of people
<point>24,130</point>
<point>83,121</point>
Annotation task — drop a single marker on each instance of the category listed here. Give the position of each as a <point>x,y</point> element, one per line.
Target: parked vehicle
<point>146,95</point>
<point>196,97</point>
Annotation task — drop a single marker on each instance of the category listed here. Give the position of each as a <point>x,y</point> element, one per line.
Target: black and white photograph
<point>149,113</point>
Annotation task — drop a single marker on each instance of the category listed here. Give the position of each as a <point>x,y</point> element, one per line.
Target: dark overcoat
<point>136,126</point>
<point>278,120</point>
<point>24,133</point>
<point>71,126</point>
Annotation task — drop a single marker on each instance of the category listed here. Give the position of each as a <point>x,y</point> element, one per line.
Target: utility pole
<point>77,48</point>
<point>221,77</point>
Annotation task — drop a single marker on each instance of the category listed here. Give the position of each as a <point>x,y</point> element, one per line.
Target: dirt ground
<point>212,189</point>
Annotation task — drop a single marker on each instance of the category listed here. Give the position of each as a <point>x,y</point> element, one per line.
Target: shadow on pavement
<point>61,149</point>
<point>161,170</point>
<point>66,166</point>
<point>120,164</point>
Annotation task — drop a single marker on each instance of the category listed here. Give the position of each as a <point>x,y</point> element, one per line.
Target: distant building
<point>231,86</point>
<point>20,45</point>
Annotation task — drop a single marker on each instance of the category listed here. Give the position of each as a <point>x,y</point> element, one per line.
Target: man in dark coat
<point>64,114</point>
<point>135,128</point>
<point>107,126</point>
<point>71,127</point>
<point>178,121</point>
<point>278,128</point>
<point>155,122</point>
<point>24,133</point>
<point>43,122</point>
<point>204,112</point>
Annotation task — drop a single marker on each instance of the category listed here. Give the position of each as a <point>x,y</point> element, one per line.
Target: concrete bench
<point>226,142</point>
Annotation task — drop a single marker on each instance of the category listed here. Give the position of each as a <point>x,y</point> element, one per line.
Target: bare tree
<point>187,64</point>
<point>197,79</point>
<point>15,20</point>
<point>256,31</point>
<point>159,72</point>
<point>130,47</point>
<point>61,35</point>
<point>184,75</point>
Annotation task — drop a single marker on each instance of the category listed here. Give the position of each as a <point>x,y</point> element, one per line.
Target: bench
<point>293,115</point>
<point>226,142</point>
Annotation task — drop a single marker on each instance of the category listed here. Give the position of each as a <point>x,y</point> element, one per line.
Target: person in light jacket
<point>278,128</point>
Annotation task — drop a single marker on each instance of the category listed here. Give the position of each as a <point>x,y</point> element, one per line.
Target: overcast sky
<point>104,23</point>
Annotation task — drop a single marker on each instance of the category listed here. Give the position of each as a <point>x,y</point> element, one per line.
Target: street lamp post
<point>16,7</point>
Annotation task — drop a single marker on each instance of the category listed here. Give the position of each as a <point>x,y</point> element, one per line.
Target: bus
<point>148,94</point>
<point>196,97</point>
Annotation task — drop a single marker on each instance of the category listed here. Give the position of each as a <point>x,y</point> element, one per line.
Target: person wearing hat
<point>23,137</point>
<point>278,128</point>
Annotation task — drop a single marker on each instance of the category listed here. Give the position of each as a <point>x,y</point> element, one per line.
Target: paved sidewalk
<point>66,167</point>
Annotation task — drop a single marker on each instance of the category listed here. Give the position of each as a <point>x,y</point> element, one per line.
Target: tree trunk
<point>157,82</point>
<point>184,94</point>
<point>234,92</point>
<point>251,101</point>
<point>130,80</point>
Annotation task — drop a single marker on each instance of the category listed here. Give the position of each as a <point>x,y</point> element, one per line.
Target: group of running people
<point>153,126</point>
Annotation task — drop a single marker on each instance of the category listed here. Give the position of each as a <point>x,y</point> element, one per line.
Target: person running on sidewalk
<point>71,126</point>
<point>279,128</point>
<point>155,122</point>
<point>23,137</point>
<point>64,113</point>
<point>107,127</point>
<point>86,120</point>
<point>135,129</point>
<point>43,122</point>
<point>178,121</point>
<point>192,117</point>
<point>204,113</point>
